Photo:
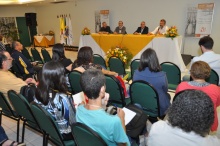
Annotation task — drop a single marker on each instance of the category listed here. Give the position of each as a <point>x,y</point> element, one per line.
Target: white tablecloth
<point>166,49</point>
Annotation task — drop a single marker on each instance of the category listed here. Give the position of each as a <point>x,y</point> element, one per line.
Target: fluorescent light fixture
<point>7,2</point>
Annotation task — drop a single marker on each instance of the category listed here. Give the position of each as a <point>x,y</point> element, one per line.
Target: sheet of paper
<point>129,115</point>
<point>78,98</point>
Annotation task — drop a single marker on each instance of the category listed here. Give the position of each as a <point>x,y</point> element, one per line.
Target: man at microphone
<point>162,29</point>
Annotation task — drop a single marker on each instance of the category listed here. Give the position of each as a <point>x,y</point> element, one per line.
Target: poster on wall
<point>191,21</point>
<point>8,29</point>
<point>204,19</point>
<point>101,16</point>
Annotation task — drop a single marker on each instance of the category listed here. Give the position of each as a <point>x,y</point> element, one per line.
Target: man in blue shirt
<point>110,127</point>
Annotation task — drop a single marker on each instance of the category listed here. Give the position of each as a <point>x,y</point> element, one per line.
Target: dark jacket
<point>145,31</point>
<point>159,82</point>
<point>107,29</point>
<point>22,62</point>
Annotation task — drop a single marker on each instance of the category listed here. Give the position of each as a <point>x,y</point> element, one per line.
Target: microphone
<point>158,29</point>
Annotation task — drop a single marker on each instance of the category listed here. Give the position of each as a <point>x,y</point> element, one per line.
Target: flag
<point>69,32</point>
<point>70,36</point>
<point>62,29</point>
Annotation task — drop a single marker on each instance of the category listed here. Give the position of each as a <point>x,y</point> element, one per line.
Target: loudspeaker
<point>31,19</point>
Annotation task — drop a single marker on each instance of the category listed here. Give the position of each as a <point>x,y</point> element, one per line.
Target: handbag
<point>136,126</point>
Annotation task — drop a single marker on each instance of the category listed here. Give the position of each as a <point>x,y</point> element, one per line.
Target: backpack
<point>28,91</point>
<point>136,126</point>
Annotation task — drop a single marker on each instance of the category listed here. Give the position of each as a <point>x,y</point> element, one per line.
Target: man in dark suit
<point>142,30</point>
<point>105,29</point>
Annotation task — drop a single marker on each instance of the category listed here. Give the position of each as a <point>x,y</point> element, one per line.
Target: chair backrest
<point>173,74</point>
<point>213,78</point>
<point>46,123</point>
<point>115,91</point>
<point>22,107</point>
<point>143,93</point>
<point>36,55</point>
<point>134,65</point>
<point>98,59</point>
<point>26,54</point>
<point>5,106</point>
<point>74,79</point>
<point>46,55</point>
<point>85,136</point>
<point>115,64</point>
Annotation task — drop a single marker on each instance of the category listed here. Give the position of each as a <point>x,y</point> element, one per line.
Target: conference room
<point>40,24</point>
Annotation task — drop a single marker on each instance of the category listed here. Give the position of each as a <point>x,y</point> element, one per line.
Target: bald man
<point>142,29</point>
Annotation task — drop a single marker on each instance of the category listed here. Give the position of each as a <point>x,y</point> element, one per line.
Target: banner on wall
<point>101,16</point>
<point>8,29</point>
<point>204,19</point>
<point>191,21</point>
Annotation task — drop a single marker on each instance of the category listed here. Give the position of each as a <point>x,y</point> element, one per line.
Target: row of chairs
<point>141,92</point>
<point>36,55</point>
<point>172,70</point>
<point>35,117</point>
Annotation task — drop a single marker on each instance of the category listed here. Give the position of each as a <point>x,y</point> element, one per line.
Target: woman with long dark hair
<point>52,94</point>
<point>150,71</point>
<point>59,56</point>
<point>84,61</point>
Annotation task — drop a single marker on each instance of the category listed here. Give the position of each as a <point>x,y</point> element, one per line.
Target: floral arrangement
<point>121,53</point>
<point>51,32</point>
<point>86,31</point>
<point>172,32</point>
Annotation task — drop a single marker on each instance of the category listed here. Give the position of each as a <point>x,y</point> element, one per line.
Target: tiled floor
<point>33,138</point>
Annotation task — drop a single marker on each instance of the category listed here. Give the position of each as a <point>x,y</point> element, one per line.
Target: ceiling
<point>32,2</point>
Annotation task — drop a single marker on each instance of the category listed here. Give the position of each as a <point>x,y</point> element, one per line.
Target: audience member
<point>2,46</point>
<point>150,71</point>
<point>190,118</point>
<point>84,61</point>
<point>24,65</point>
<point>120,29</point>
<point>52,94</point>
<point>199,72</point>
<point>4,141</point>
<point>209,56</point>
<point>59,56</point>
<point>161,29</point>
<point>8,80</point>
<point>142,29</point>
<point>105,29</point>
<point>110,127</point>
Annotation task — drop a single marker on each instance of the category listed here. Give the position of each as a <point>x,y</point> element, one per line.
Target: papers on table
<point>129,115</point>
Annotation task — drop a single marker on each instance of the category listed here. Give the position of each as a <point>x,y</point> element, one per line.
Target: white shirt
<point>162,31</point>
<point>211,58</point>
<point>163,134</point>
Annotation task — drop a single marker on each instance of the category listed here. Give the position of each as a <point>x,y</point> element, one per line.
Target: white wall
<point>132,12</point>
<point>15,11</point>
